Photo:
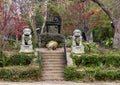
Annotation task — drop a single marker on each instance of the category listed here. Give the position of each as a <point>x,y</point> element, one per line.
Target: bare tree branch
<point>106,10</point>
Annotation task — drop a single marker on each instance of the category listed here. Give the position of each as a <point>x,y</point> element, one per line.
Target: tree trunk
<point>89,37</point>
<point>116,41</point>
<point>45,15</point>
<point>33,24</point>
<point>17,39</point>
<point>116,23</point>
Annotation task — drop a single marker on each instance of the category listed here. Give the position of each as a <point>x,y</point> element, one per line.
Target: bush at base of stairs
<point>17,73</point>
<point>71,73</point>
<point>91,74</point>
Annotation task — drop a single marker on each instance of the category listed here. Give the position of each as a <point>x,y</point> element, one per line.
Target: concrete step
<point>52,72</point>
<point>53,57</point>
<point>53,78</point>
<point>45,50</point>
<point>53,54</point>
<point>46,75</point>
<point>53,66</point>
<point>61,70</point>
<point>53,63</point>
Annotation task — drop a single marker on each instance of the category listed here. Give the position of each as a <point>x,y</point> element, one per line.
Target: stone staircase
<point>53,63</point>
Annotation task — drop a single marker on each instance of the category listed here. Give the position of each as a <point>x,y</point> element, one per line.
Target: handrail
<point>40,60</point>
<point>65,51</point>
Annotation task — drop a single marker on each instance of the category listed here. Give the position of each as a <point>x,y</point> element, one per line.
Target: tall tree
<point>80,16</point>
<point>28,9</point>
<point>10,22</point>
<point>45,14</point>
<point>114,15</point>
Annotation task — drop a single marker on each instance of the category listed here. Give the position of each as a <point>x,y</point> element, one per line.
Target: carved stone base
<point>26,48</point>
<point>78,49</point>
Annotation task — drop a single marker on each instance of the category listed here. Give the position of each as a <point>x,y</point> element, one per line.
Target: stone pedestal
<point>78,49</point>
<point>26,48</point>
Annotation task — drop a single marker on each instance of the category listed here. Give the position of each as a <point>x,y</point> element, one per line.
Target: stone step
<point>53,63</point>
<point>53,66</point>
<point>53,59</point>
<point>53,69</point>
<point>45,50</point>
<point>53,78</point>
<point>53,54</point>
<point>52,74</point>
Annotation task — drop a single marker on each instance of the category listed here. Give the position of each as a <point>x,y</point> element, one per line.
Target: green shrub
<point>90,60</point>
<point>100,34</point>
<point>20,59</point>
<point>46,37</point>
<point>76,59</point>
<point>89,46</point>
<point>69,43</point>
<point>108,42</point>
<point>97,60</point>
<point>18,73</point>
<point>91,74</point>
<point>107,75</point>
<point>111,60</point>
<point>71,73</point>
<point>102,74</point>
<point>3,59</point>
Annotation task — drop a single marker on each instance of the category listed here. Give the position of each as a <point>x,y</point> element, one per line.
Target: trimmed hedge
<point>20,59</point>
<point>17,59</point>
<point>46,37</point>
<point>17,73</point>
<point>91,74</point>
<point>105,60</point>
<point>102,74</point>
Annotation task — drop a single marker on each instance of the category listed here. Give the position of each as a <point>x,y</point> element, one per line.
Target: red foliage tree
<point>81,17</point>
<point>11,23</point>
